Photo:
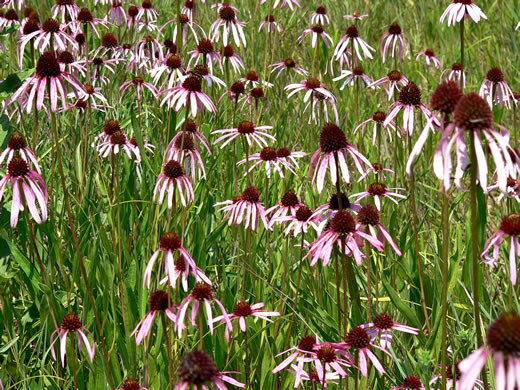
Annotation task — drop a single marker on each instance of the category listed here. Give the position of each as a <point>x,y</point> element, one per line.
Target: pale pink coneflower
<point>49,34</point>
<point>474,117</point>
<point>47,78</point>
<point>312,376</point>
<point>332,154</point>
<point>342,232</point>
<point>182,148</point>
<point>245,208</point>
<point>100,65</point>
<point>310,86</point>
<point>230,26</point>
<point>109,128</point>
<point>353,76</point>
<point>495,90</point>
<point>147,14</point>
<point>382,328</point>
<point>378,170</point>
<point>243,310</point>
<point>320,16</point>
<point>459,9</point>
<point>316,32</point>
<point>67,9</point>
<point>288,64</point>
<point>85,18</point>
<point>287,206</point>
<point>355,16</point>
<point>377,121</point>
<point>324,213</point>
<point>409,99</point>
<point>139,84</point>
<point>201,294</point>
<point>359,340</point>
<point>377,191</point>
<point>17,146</point>
<point>189,9</point>
<point>513,189</point>
<point>170,244</point>
<point>298,223</point>
<point>504,347</point>
<point>269,24</point>
<point>509,226</point>
<point>453,380</point>
<point>443,101</point>
<point>186,25</point>
<point>188,94</point>
<point>395,38</point>
<point>190,127</point>
<point>172,68</point>
<point>391,83</point>
<point>202,72</point>
<point>10,18</point>
<point>118,141</point>
<point>352,35</point>
<point>94,98</point>
<point>247,129</point>
<point>116,13</point>
<point>326,359</point>
<point>345,61</point>
<point>183,271</point>
<point>456,73</point>
<point>172,177</point>
<point>369,218</point>
<point>320,105</point>
<point>71,324</point>
<point>269,158</point>
<point>228,54</point>
<point>411,382</point>
<point>157,304</point>
<point>286,154</point>
<point>149,50</point>
<point>131,384</point>
<point>283,3</point>
<point>197,370</point>
<point>70,65</point>
<point>255,100</point>
<point>28,188</point>
<point>205,51</point>
<point>304,348</point>
<point>429,57</point>
<point>252,79</point>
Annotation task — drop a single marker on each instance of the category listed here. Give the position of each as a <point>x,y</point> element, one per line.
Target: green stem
<point>169,350</point>
<point>73,358</point>
<point>445,268</point>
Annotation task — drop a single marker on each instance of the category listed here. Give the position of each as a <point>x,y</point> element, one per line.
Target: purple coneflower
<point>383,326</point>
<point>228,55</point>
<point>378,190</point>
<point>503,345</point>
<point>287,206</point>
<point>182,147</point>
<point>453,379</point>
<point>252,78</point>
<point>355,16</point>
<point>455,73</point>
<point>71,324</point>
<point>299,222</point>
<point>269,157</point>
<point>378,169</point>
<point>249,204</point>
<point>243,310</point>
<point>169,244</point>
<point>139,84</point>
<point>326,211</point>
<point>287,155</point>
<point>352,34</point>
<point>395,37</point>
<point>288,64</point>
<point>310,86</point>
<point>495,90</point>
<point>28,188</point>
<point>312,375</point>
<point>183,270</point>
<point>200,294</point>
<point>429,57</point>
<point>411,382</point>
<point>198,370</point>
<point>205,51</point>
<point>459,9</point>
<point>316,32</point>
<point>326,359</point>
<point>409,98</point>
<point>229,23</point>
<point>320,16</point>
<point>148,50</point>
<point>510,226</point>
<point>116,13</point>
<point>342,232</point>
<point>247,129</point>
<point>188,94</point>
<point>370,217</point>
<point>157,303</point>
<point>332,154</point>
<point>474,117</point>
<point>172,68</point>
<point>391,83</point>
<point>304,348</point>
<point>190,127</point>
<point>172,177</point>
<point>149,13</point>
<point>269,24</point>
<point>10,18</point>
<point>319,108</point>
<point>377,120</point>
<point>352,76</point>
<point>283,3</point>
<point>131,384</point>
<point>17,146</point>
<point>66,8</point>
<point>118,141</point>
<point>84,19</point>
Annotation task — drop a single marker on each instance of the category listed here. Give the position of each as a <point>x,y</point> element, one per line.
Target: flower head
<point>71,324</point>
